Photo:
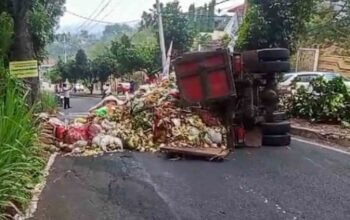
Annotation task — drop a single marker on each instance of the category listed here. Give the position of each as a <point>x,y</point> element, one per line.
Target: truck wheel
<point>276,128</point>
<point>276,140</point>
<point>274,66</point>
<point>273,54</point>
<point>276,117</point>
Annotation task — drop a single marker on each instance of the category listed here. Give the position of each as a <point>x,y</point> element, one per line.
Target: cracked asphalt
<point>303,181</point>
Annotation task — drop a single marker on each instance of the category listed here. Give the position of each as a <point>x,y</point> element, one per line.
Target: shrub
<point>329,101</point>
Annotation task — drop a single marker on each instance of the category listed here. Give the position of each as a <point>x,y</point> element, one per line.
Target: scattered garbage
<point>152,118</point>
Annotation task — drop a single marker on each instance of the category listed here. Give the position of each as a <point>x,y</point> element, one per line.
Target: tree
<point>141,54</point>
<point>104,66</point>
<point>274,23</point>
<point>66,71</point>
<point>33,28</point>
<point>34,22</point>
<point>126,55</point>
<point>116,30</point>
<point>83,71</point>
<point>176,25</point>
<point>329,24</point>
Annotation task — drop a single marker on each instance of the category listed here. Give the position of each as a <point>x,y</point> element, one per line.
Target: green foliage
<point>20,159</point>
<point>93,44</point>
<point>97,49</point>
<point>117,30</point>
<point>47,102</point>
<point>104,66</point>
<point>145,36</point>
<point>53,76</point>
<point>177,27</point>
<point>328,25</point>
<point>273,23</point>
<point>329,101</point>
<point>126,55</point>
<point>141,55</point>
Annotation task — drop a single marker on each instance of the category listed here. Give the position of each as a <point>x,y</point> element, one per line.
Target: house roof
<point>237,9</point>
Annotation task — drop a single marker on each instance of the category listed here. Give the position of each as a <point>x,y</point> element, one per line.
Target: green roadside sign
<point>24,69</point>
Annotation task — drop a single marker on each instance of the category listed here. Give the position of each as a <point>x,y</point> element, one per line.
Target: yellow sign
<point>24,69</point>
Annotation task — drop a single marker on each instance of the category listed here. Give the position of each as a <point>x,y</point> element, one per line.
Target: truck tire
<point>273,54</point>
<point>276,140</point>
<point>276,117</point>
<point>276,128</point>
<point>274,66</point>
<point>268,67</point>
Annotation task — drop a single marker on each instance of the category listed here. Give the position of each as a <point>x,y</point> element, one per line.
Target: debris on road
<point>151,120</point>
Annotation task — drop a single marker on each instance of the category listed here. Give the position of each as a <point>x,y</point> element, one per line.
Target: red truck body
<point>205,77</point>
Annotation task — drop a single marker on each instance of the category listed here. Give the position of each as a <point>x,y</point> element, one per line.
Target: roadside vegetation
<point>47,102</point>
<point>21,160</point>
<point>327,102</point>
<point>26,27</point>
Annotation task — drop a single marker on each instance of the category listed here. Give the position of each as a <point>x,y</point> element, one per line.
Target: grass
<point>47,102</point>
<point>21,162</point>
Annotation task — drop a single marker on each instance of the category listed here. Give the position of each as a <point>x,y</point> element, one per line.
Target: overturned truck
<point>242,88</point>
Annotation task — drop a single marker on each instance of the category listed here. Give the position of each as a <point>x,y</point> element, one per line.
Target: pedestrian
<point>66,94</point>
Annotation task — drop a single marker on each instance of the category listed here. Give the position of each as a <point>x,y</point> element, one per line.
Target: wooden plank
<point>198,152</point>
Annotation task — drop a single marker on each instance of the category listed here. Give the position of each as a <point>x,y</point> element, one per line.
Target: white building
<point>234,24</point>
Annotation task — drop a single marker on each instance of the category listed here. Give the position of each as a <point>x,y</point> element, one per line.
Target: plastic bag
<point>76,133</point>
<point>102,112</point>
<point>93,130</point>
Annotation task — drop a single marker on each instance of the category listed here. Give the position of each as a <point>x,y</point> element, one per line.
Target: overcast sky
<point>122,10</point>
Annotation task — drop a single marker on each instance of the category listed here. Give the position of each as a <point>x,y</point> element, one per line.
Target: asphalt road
<point>303,181</point>
<point>80,106</point>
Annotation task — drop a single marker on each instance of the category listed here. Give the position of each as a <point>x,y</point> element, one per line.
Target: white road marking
<point>313,162</point>
<point>321,145</point>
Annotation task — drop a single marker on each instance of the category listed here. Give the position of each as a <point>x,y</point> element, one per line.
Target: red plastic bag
<point>60,132</point>
<point>93,130</point>
<point>76,133</point>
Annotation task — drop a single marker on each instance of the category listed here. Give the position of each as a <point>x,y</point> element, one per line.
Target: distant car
<point>123,87</point>
<point>79,87</point>
<point>304,78</point>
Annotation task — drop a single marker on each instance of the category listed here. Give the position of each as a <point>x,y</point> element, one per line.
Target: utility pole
<point>65,47</point>
<point>161,36</point>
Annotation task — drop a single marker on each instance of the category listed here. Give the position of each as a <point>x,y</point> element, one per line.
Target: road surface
<point>303,181</point>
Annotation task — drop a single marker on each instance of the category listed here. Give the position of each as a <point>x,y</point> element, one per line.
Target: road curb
<point>36,192</point>
<point>318,135</point>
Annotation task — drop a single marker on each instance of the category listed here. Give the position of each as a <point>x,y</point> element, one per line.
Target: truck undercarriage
<point>242,88</point>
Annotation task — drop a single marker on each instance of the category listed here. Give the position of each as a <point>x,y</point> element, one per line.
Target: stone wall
<point>333,63</point>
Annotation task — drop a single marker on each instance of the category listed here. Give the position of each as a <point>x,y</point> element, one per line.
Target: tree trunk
<point>23,48</point>
<point>91,88</point>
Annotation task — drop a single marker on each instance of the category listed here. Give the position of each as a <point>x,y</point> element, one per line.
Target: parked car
<point>304,78</point>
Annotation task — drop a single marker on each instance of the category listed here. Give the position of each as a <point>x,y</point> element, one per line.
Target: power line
<point>91,15</point>
<point>101,11</point>
<point>108,14</point>
<point>101,21</point>
<point>89,19</point>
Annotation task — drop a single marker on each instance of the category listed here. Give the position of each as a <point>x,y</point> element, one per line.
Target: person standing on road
<point>66,94</point>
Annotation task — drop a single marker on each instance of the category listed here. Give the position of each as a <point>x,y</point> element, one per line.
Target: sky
<point>121,10</point>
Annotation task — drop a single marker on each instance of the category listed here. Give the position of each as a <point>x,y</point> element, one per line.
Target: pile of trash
<point>153,117</point>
